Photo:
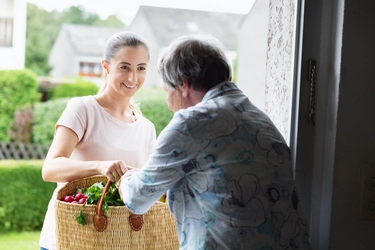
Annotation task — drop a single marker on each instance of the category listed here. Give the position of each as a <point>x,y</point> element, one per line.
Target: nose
<point>132,77</point>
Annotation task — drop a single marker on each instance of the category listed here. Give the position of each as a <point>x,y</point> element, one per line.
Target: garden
<point>24,118</point>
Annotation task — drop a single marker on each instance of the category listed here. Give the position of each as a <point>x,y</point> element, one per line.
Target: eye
<point>124,67</point>
<point>142,68</point>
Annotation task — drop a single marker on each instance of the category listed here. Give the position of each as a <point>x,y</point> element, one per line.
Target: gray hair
<point>197,59</point>
<point>113,45</point>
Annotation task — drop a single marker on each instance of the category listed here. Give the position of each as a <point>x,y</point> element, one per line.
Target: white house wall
<point>62,57</point>
<point>141,26</point>
<point>252,48</point>
<point>14,57</point>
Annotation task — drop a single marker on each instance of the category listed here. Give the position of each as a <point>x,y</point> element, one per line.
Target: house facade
<point>13,16</point>
<point>78,51</point>
<point>160,26</point>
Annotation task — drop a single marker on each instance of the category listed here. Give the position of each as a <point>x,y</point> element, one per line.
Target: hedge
<point>17,88</point>
<point>151,100</point>
<point>24,196</point>
<point>79,88</point>
<point>45,117</point>
<point>154,106</point>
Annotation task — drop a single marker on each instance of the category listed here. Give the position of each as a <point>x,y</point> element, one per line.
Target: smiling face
<point>126,72</point>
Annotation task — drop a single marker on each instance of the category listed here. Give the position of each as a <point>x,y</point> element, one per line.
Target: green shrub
<point>154,107</point>
<point>17,88</point>
<point>152,103</point>
<point>46,115</point>
<point>24,195</point>
<point>21,130</point>
<point>79,88</point>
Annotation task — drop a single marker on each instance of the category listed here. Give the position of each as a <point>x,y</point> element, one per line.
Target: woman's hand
<point>113,170</point>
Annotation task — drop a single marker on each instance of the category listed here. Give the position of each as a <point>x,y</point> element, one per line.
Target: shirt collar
<point>219,90</point>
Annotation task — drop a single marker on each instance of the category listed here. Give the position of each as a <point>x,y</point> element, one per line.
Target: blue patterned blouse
<point>228,174</point>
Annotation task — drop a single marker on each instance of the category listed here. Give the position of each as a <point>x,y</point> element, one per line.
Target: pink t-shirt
<point>101,137</point>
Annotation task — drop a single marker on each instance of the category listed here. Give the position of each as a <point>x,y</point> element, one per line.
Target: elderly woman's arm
<point>140,189</point>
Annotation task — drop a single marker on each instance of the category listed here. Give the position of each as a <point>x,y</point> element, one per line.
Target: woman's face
<point>126,72</point>
<point>174,98</point>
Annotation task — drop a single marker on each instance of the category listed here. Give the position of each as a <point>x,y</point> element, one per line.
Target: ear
<point>184,88</point>
<point>105,66</point>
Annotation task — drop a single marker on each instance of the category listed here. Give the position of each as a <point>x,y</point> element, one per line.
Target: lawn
<point>20,241</point>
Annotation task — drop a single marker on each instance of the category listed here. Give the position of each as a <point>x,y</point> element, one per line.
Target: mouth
<point>129,86</point>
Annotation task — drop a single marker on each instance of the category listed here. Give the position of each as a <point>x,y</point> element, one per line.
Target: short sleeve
<point>74,117</point>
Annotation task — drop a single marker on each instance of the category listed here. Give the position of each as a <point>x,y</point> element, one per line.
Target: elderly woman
<point>225,167</point>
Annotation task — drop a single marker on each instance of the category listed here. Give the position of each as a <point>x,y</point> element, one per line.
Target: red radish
<point>78,196</point>
<point>82,200</point>
<point>68,198</point>
<point>74,202</point>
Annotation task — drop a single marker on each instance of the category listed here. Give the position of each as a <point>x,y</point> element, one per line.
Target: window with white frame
<point>90,69</point>
<point>6,32</point>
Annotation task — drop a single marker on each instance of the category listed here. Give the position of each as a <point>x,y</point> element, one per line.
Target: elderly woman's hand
<point>125,176</point>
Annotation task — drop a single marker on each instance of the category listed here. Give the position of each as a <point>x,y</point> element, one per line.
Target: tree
<point>77,15</point>
<point>43,28</point>
<point>111,21</point>
<point>41,32</point>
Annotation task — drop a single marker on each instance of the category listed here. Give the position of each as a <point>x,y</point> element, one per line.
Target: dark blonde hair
<point>113,45</point>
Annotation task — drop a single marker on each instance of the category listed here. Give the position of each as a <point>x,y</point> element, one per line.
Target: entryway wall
<point>330,156</point>
<point>340,36</point>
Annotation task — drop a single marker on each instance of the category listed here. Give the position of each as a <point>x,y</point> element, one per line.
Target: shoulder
<point>201,112</point>
<point>145,122</point>
<point>82,102</point>
<point>77,101</point>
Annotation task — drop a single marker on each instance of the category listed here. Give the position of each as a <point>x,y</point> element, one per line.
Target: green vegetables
<point>93,194</point>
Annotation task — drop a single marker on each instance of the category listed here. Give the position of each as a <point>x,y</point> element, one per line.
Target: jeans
<point>42,248</point>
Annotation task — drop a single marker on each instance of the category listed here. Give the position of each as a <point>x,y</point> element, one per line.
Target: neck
<point>116,107</point>
<point>194,97</point>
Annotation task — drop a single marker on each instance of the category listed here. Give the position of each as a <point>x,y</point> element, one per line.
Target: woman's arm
<point>58,167</point>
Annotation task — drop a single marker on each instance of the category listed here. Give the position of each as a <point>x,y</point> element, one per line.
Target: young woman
<point>105,133</point>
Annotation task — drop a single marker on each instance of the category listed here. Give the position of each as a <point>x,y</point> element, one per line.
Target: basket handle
<point>100,219</point>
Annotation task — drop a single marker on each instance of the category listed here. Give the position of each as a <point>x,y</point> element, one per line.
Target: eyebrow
<point>130,64</point>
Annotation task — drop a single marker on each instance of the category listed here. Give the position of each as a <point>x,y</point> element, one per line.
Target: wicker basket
<point>158,229</point>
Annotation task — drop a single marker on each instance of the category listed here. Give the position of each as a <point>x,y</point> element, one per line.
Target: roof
<point>168,24</point>
<point>88,40</point>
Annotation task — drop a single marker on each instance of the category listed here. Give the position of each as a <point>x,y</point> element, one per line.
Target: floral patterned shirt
<point>228,174</point>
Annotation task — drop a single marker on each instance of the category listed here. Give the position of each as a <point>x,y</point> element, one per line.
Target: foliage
<point>43,27</point>
<point>111,21</point>
<point>17,88</point>
<point>152,103</point>
<point>94,192</point>
<point>46,115</point>
<point>79,88</point>
<point>41,31</point>
<point>78,15</point>
<point>24,197</point>
<point>22,125</point>
<point>154,107</point>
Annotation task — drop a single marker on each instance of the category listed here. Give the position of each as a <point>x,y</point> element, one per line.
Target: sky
<point>126,10</point>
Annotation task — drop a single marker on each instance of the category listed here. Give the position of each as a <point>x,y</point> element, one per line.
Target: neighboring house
<point>78,51</point>
<point>160,26</point>
<point>13,16</point>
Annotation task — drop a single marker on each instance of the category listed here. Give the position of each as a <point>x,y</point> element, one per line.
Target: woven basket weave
<point>158,230</point>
